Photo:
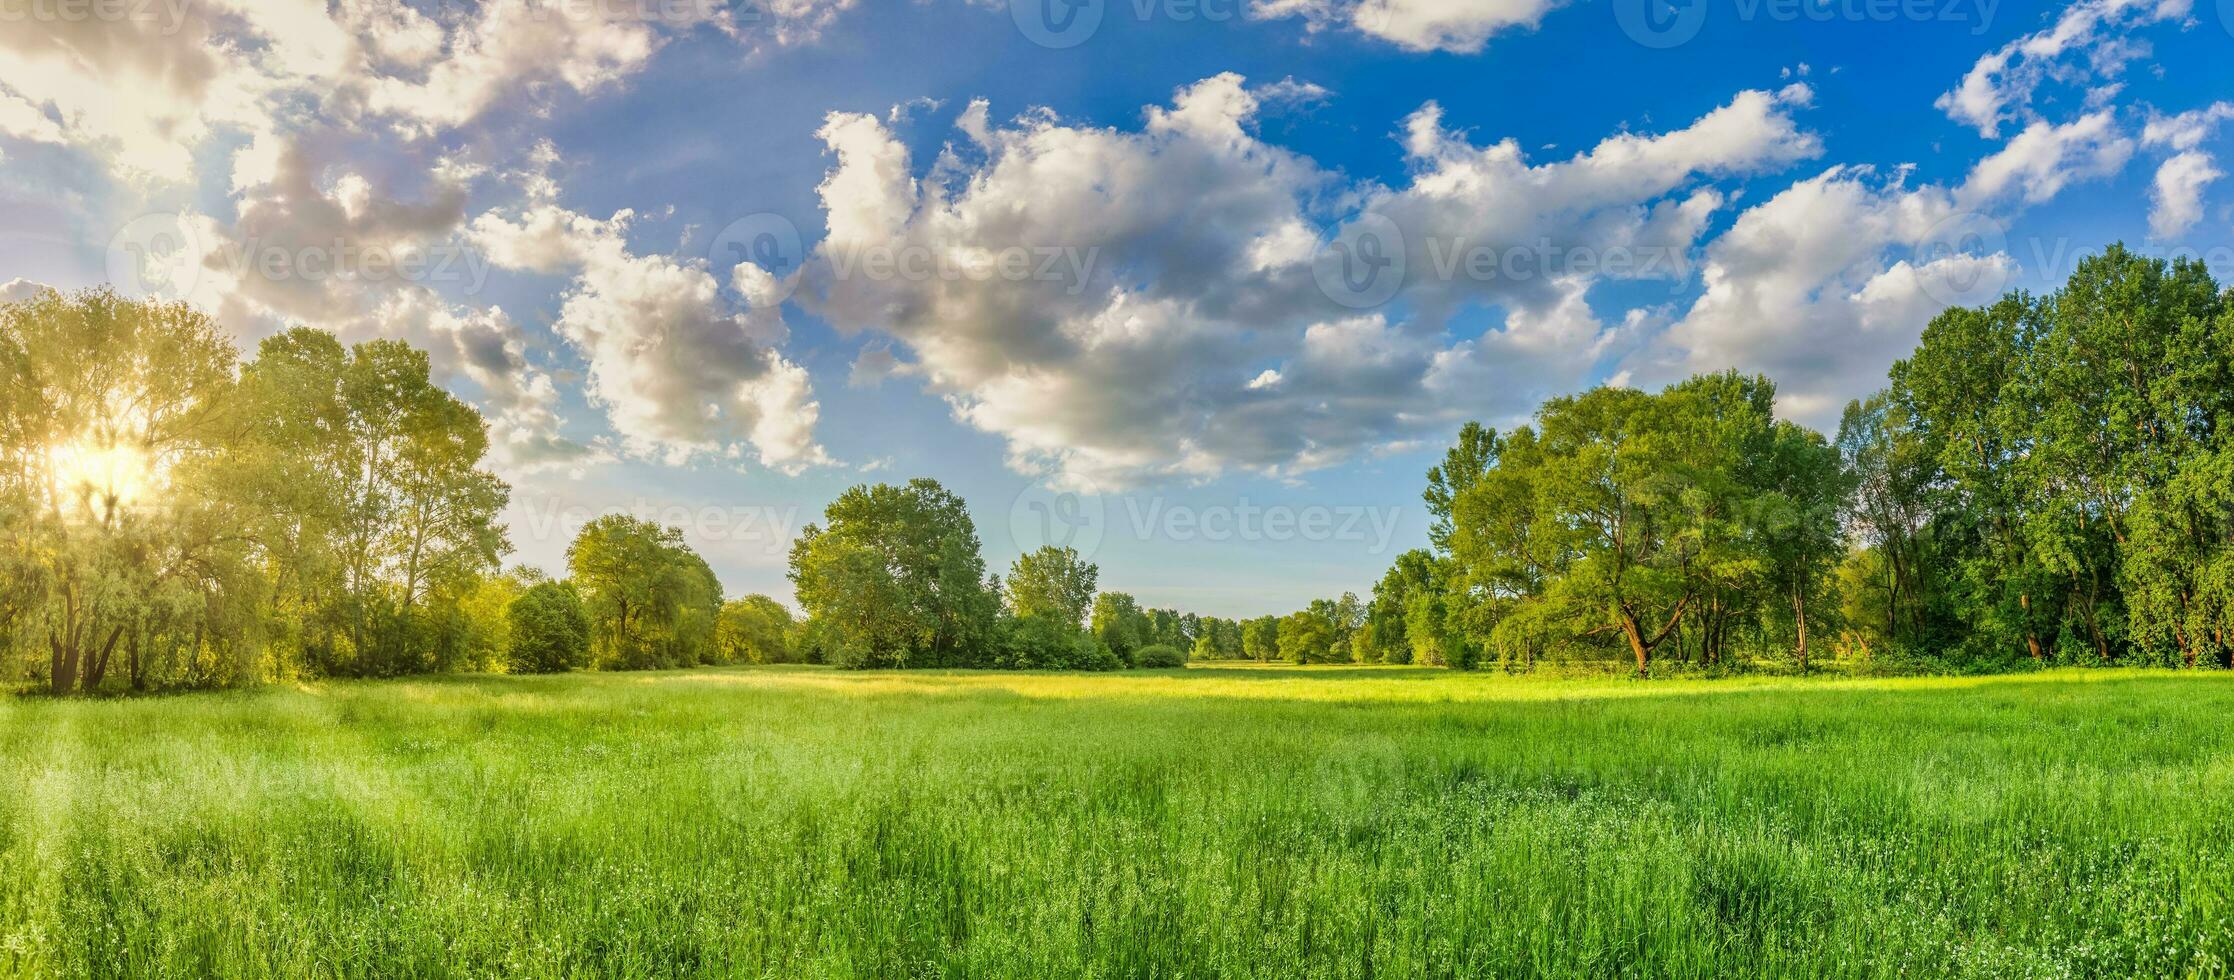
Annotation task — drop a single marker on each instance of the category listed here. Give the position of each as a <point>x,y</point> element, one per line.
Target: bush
<point>550,630</point>
<point>1042,643</point>
<point>1158,657</point>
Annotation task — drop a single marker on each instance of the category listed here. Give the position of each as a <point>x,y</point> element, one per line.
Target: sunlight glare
<point>99,476</point>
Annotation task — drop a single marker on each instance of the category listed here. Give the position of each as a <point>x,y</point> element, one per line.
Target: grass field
<point>1210,822</point>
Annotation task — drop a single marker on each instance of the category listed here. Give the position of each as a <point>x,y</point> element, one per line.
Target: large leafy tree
<point>1414,573</point>
<point>652,602</point>
<point>1120,624</point>
<point>755,629</point>
<point>1614,480</point>
<point>1307,636</point>
<point>550,630</point>
<point>370,482</point>
<point>1889,516</point>
<point>120,535</point>
<point>895,578</point>
<point>1958,388</point>
<point>2126,387</point>
<point>1052,582</point>
<point>1473,455</point>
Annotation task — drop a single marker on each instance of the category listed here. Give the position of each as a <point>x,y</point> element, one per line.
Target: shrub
<point>1158,657</point>
<point>1044,643</point>
<point>550,630</point>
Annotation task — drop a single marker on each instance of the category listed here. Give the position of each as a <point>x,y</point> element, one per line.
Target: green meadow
<point>1222,821</point>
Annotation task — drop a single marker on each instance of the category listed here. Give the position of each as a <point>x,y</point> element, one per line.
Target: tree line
<point>2048,479</point>
<point>174,515</point>
<point>2045,479</point>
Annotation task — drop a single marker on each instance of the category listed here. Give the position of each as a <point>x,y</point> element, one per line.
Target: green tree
<point>755,630</point>
<point>1120,624</point>
<point>895,576</point>
<point>1307,637</point>
<point>370,477</point>
<point>120,528</point>
<point>652,602</point>
<point>550,630</point>
<point>1260,638</point>
<point>1956,388</point>
<point>1052,582</point>
<point>1474,455</point>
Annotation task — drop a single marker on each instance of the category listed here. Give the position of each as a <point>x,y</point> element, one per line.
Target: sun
<point>99,477</point>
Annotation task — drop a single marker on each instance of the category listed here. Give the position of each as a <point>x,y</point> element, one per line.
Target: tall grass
<point>1222,822</point>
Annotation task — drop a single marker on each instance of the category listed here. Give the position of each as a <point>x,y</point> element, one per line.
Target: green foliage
<point>376,512</point>
<point>2044,478</point>
<point>1624,523</point>
<point>550,630</point>
<point>1120,625</point>
<point>122,558</point>
<point>1307,636</point>
<point>1039,642</point>
<point>893,578</point>
<point>1157,656</point>
<point>652,601</point>
<point>1260,638</point>
<point>1052,582</point>
<point>755,630</point>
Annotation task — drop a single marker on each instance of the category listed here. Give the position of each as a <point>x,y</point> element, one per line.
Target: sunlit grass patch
<point>1224,821</point>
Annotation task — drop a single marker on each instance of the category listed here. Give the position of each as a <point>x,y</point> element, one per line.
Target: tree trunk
<point>1637,645</point>
<point>2032,639</point>
<point>134,665</point>
<point>62,677</point>
<point>1799,618</point>
<point>97,665</point>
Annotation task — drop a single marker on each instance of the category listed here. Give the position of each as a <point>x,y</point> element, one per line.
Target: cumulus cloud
<point>17,290</point>
<point>1461,26</point>
<point>2039,162</point>
<point>679,374</point>
<point>1128,305</point>
<point>142,93</point>
<point>1822,285</point>
<point>2176,197</point>
<point>349,213</point>
<point>2091,41</point>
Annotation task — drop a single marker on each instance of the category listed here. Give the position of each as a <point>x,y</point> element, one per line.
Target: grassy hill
<point>1238,821</point>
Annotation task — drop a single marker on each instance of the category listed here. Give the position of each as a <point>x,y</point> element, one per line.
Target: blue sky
<point>1806,182</point>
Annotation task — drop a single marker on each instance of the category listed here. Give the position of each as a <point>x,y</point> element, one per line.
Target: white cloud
<point>679,375</point>
<point>17,290</point>
<point>2038,163</point>
<point>1824,284</point>
<point>141,94</point>
<point>1461,26</point>
<point>1194,337</point>
<point>2177,196</point>
<point>2090,40</point>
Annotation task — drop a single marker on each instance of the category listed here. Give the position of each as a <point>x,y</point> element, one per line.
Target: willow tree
<point>116,412</point>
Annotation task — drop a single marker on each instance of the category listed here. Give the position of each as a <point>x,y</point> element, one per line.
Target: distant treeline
<point>2048,479</point>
